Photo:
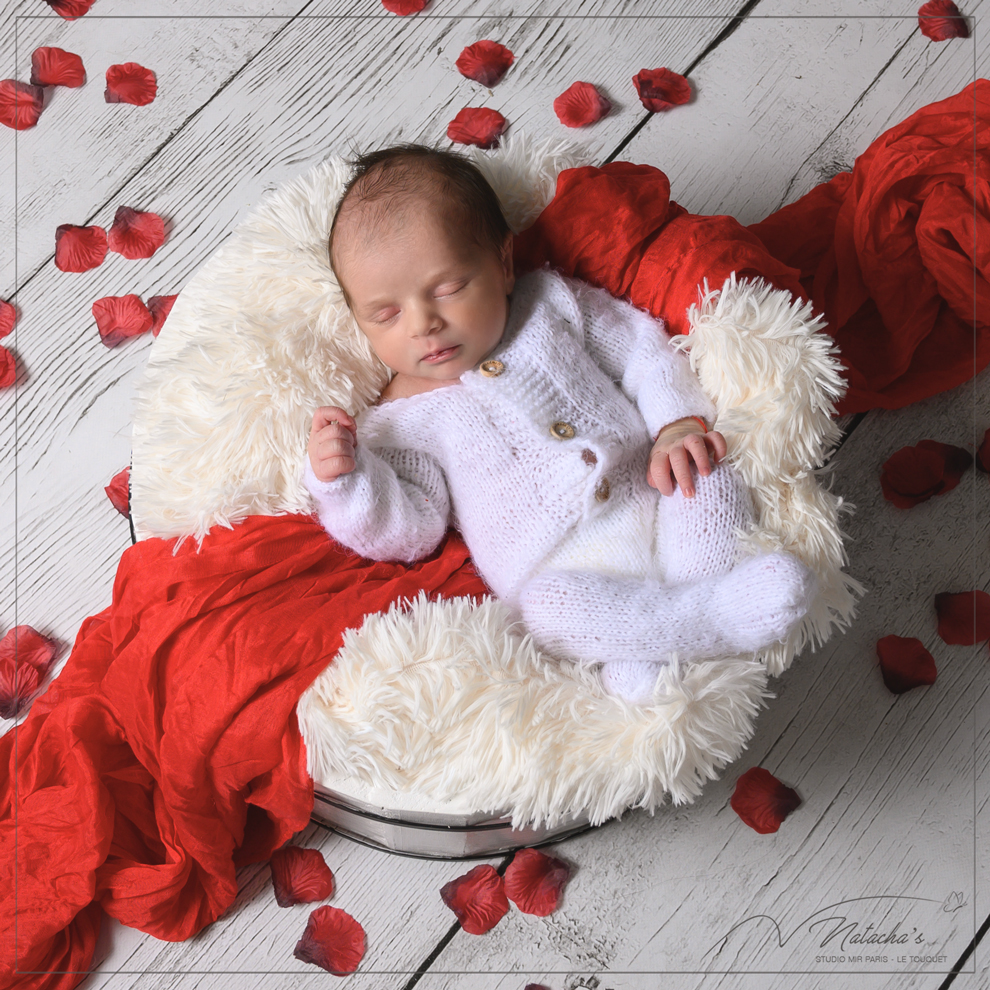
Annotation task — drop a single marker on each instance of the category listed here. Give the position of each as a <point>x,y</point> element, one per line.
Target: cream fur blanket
<point>446,701</point>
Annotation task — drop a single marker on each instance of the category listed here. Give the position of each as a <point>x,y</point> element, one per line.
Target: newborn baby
<point>553,425</point>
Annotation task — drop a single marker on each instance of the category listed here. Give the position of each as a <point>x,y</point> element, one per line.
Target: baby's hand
<point>332,442</point>
<point>673,451</point>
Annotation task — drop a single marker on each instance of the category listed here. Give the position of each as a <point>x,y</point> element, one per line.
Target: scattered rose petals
<point>300,876</point>
<point>983,454</point>
<point>762,801</point>
<point>661,89</point>
<point>403,7</point>
<point>580,104</point>
<point>78,249</point>
<point>130,83</point>
<point>56,67</point>
<point>477,125</point>
<point>25,659</point>
<point>485,62</point>
<point>963,618</point>
<point>8,368</point>
<point>118,491</point>
<point>333,940</point>
<point>70,9</point>
<point>136,234</point>
<point>905,663</point>
<point>160,307</point>
<point>477,898</point>
<point>8,317</point>
<point>536,986</point>
<point>534,881</point>
<point>913,475</point>
<point>120,317</point>
<point>940,20</point>
<point>20,104</point>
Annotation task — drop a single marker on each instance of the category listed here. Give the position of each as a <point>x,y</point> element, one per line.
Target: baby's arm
<point>387,505</point>
<point>632,348</point>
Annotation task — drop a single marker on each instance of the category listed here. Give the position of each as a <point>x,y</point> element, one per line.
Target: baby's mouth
<point>441,355</point>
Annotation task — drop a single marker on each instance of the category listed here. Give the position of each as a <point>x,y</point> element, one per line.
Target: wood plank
<point>814,72</point>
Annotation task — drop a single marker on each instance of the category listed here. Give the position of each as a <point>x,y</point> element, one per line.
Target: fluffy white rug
<point>444,701</point>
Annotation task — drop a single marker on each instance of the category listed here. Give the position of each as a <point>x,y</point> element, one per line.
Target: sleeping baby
<point>553,425</point>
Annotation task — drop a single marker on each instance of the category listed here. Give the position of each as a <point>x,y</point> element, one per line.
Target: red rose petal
<point>56,67</point>
<point>913,475</point>
<point>78,249</point>
<point>963,618</point>
<point>403,7</point>
<point>20,104</point>
<point>130,83</point>
<point>8,317</point>
<point>485,62</point>
<point>70,9</point>
<point>477,125</point>
<point>300,876</point>
<point>762,801</point>
<point>8,368</point>
<point>28,647</point>
<point>580,104</point>
<point>534,881</point>
<point>118,491</point>
<point>905,663</point>
<point>120,317</point>
<point>18,685</point>
<point>983,454</point>
<point>136,234</point>
<point>941,20</point>
<point>333,940</point>
<point>477,898</point>
<point>661,89</point>
<point>536,986</point>
<point>160,307</point>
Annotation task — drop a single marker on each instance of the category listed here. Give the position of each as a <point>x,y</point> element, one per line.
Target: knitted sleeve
<point>394,505</point>
<point>632,348</point>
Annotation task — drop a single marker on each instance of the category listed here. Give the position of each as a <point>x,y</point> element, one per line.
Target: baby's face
<point>432,304</point>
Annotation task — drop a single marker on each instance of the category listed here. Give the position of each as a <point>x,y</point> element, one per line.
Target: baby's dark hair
<point>384,179</point>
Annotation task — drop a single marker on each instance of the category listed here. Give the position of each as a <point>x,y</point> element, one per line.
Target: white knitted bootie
<point>589,617</point>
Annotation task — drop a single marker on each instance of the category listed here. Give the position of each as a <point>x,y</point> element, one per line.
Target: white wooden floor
<point>895,789</point>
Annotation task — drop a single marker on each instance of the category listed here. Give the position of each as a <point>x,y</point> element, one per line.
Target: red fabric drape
<point>167,752</point>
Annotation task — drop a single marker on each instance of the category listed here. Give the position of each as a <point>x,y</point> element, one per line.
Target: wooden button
<point>603,490</point>
<point>561,430</point>
<point>491,369</point>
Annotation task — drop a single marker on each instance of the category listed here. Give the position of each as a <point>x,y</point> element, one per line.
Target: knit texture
<point>571,355</point>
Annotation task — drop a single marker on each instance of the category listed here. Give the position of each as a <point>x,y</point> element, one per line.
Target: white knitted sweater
<point>481,455</point>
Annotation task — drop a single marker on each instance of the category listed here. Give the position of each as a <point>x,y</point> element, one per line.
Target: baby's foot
<point>631,680</point>
<point>761,599</point>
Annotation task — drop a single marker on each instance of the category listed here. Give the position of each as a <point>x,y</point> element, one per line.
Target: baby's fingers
<point>658,473</point>
<point>680,464</point>
<point>695,447</point>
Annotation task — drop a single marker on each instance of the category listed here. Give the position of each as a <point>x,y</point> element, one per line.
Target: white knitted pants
<point>657,576</point>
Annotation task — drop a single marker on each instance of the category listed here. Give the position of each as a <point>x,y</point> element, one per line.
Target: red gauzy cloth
<point>617,227</point>
<point>896,254</point>
<point>167,752</point>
